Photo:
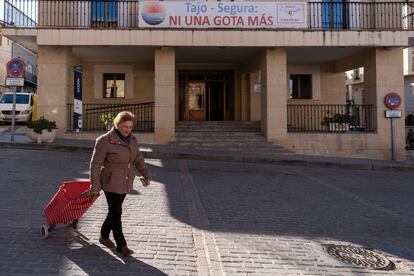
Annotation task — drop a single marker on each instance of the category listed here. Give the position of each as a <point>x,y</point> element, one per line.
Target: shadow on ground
<point>372,209</point>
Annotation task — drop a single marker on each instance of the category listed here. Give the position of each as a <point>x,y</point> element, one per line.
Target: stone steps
<point>219,123</point>
<point>215,126</point>
<point>224,136</point>
<point>227,138</point>
<point>218,128</point>
<point>264,151</point>
<point>213,134</point>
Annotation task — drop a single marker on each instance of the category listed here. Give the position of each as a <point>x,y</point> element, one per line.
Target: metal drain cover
<point>359,256</point>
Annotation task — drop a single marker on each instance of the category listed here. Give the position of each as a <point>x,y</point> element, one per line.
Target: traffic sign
<point>15,67</point>
<point>392,100</point>
<point>396,113</point>
<point>14,81</point>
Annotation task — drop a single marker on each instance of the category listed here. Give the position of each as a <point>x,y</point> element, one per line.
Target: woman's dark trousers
<point>113,219</point>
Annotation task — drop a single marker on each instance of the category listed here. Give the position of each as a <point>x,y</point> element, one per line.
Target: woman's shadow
<point>94,260</point>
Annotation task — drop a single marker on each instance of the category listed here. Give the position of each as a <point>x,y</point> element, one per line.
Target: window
<point>409,120</point>
<point>300,86</point>
<point>20,99</point>
<point>114,85</point>
<point>104,13</point>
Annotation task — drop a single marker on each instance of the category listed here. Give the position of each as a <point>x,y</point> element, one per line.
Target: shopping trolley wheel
<point>44,232</point>
<point>75,225</point>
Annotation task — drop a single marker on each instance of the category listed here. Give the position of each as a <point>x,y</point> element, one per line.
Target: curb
<point>12,145</point>
<point>282,162</point>
<point>226,158</point>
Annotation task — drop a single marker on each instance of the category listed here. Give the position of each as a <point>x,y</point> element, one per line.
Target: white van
<point>24,106</point>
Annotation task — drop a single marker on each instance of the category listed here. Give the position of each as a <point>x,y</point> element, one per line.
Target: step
<point>187,123</point>
<point>218,126</point>
<point>268,151</point>
<point>255,139</point>
<point>225,144</point>
<point>209,135</point>
<point>218,129</point>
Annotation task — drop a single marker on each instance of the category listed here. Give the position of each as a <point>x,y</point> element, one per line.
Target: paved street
<point>5,128</point>
<point>209,218</point>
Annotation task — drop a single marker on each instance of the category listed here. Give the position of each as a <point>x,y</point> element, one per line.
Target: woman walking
<point>112,165</point>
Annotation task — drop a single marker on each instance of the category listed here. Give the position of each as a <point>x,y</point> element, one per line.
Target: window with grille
<point>114,85</point>
<point>300,86</point>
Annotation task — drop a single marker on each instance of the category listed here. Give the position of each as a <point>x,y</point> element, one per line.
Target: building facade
<point>5,56</point>
<point>409,88</point>
<point>280,63</point>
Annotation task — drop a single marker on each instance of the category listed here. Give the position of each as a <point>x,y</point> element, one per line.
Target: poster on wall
<point>229,15</point>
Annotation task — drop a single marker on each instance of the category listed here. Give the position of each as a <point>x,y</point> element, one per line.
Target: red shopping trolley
<point>67,206</point>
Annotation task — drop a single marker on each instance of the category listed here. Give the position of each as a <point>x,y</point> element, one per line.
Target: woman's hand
<point>145,181</point>
<point>90,193</point>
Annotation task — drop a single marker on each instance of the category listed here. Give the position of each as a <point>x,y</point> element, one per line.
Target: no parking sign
<point>392,101</point>
<point>15,67</point>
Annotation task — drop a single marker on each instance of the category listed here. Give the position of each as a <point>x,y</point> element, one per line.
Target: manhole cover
<point>359,256</point>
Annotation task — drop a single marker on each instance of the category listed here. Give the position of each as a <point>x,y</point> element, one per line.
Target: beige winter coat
<point>113,161</point>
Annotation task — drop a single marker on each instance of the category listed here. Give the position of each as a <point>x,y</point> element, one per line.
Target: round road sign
<point>392,100</point>
<point>15,67</point>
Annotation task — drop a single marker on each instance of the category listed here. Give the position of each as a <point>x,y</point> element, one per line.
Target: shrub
<point>41,124</point>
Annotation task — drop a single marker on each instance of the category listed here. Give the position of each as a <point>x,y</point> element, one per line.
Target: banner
<point>77,101</point>
<point>234,15</point>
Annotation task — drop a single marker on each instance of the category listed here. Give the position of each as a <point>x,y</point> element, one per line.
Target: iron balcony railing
<point>334,15</point>
<point>21,13</point>
<point>338,15</point>
<point>330,118</point>
<point>91,116</point>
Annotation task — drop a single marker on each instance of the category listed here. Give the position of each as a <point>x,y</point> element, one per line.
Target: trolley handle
<point>84,195</point>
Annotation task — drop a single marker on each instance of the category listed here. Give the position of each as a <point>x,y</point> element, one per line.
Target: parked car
<point>24,106</point>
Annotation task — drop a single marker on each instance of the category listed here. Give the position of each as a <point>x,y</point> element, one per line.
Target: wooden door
<point>196,101</point>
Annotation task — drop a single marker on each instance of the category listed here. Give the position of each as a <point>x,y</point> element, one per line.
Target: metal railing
<point>335,15</point>
<point>20,13</point>
<point>91,116</point>
<point>409,19</point>
<point>330,118</point>
<point>360,15</point>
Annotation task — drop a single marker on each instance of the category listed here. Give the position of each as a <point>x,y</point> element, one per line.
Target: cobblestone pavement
<point>208,218</point>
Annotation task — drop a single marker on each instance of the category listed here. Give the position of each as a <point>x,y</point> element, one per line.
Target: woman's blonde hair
<point>123,117</point>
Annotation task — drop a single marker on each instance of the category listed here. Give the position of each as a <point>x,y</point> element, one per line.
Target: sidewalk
<point>170,151</point>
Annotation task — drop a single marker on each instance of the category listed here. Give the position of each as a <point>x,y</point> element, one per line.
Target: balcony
<point>122,14</point>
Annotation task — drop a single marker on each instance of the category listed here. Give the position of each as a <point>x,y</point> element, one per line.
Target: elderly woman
<point>112,165</point>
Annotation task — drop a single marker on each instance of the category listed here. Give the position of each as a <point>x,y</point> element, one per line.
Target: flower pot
<point>45,137</point>
<point>109,125</point>
<point>342,127</point>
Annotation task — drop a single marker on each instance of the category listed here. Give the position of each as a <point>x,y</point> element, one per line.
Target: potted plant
<point>41,130</point>
<point>108,120</point>
<point>338,122</point>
